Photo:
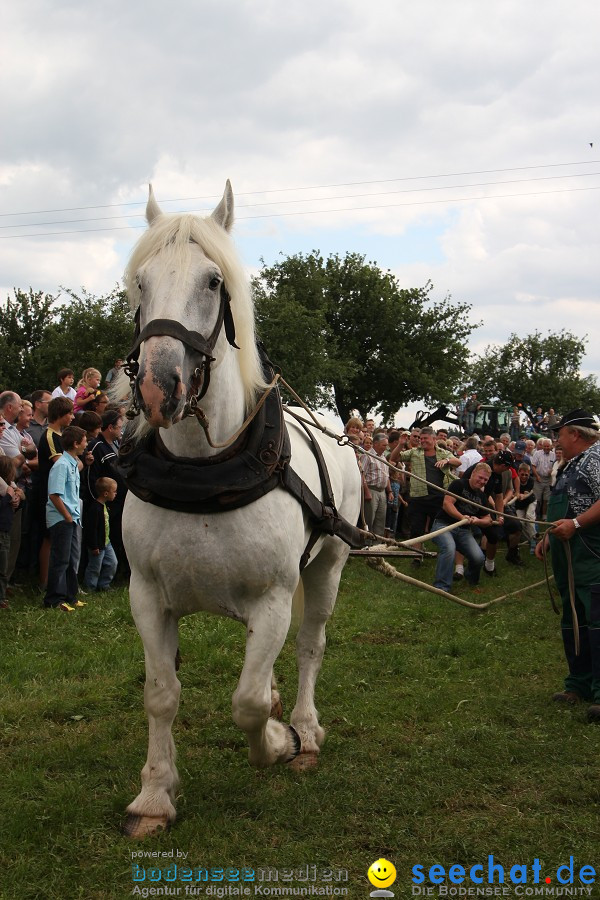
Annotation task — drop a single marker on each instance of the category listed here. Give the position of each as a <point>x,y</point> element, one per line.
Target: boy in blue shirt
<point>63,518</point>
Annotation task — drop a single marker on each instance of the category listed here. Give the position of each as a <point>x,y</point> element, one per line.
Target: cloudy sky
<point>457,142</point>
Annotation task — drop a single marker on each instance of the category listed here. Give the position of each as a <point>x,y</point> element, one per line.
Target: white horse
<point>242,563</point>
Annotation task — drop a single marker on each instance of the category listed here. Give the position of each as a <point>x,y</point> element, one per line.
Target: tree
<point>348,337</point>
<point>40,335</point>
<point>536,371</point>
<point>87,331</point>
<point>23,324</point>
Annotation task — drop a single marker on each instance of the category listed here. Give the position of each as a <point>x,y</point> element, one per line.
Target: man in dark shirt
<point>500,463</point>
<point>470,490</point>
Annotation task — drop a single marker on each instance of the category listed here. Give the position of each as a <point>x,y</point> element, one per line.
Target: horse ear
<point>223,214</point>
<point>153,210</point>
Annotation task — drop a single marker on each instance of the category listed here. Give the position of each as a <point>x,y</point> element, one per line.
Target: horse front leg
<point>256,698</point>
<point>321,581</point>
<point>154,807</point>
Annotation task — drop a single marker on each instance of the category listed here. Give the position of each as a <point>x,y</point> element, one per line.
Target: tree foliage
<point>347,336</point>
<point>536,371</point>
<point>23,325</point>
<point>40,334</point>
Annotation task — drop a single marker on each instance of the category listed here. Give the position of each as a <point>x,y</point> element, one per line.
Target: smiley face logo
<point>381,873</point>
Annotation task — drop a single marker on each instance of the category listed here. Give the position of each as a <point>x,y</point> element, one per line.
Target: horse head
<point>183,307</point>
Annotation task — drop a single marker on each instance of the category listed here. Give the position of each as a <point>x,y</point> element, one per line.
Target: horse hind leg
<point>276,702</point>
<point>321,581</point>
<point>256,697</point>
<point>154,807</point>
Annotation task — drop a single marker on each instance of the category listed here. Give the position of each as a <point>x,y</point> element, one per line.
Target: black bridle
<point>193,339</point>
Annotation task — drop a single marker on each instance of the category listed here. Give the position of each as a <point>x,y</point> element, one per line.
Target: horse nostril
<point>179,388</point>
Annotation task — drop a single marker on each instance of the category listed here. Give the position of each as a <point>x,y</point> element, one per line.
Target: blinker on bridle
<point>192,339</point>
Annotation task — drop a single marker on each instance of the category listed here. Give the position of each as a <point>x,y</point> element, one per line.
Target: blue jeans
<point>460,539</point>
<point>101,569</point>
<point>65,550</point>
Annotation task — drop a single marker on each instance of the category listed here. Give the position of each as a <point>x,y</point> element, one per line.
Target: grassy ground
<point>443,745</point>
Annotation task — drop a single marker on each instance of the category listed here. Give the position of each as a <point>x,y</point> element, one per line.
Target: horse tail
<point>298,606</point>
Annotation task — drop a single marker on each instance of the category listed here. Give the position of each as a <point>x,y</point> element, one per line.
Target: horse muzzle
<point>160,388</point>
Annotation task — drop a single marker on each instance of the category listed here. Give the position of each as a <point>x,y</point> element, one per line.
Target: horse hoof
<point>140,827</point>
<point>296,742</point>
<point>304,761</point>
<point>277,710</point>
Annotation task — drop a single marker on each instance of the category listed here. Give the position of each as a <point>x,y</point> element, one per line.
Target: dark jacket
<point>94,533</point>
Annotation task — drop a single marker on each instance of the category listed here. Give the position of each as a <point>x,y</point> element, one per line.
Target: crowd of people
<point>61,494</point>
<point>62,498</point>
<point>403,501</point>
<point>499,490</point>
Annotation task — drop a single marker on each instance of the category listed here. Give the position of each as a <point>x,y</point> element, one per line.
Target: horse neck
<point>224,407</point>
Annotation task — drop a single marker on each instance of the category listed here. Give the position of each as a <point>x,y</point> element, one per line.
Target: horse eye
<point>214,283</point>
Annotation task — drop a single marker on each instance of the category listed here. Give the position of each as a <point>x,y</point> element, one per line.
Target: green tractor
<point>489,419</point>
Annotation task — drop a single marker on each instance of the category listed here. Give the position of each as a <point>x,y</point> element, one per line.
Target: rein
<point>197,411</point>
<point>191,339</point>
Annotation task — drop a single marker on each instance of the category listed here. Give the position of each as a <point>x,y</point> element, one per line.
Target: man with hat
<point>574,508</point>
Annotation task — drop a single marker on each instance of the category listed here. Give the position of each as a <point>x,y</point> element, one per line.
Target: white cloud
<point>98,99</point>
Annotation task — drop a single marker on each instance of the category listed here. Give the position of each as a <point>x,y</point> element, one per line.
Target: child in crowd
<point>525,505</point>
<point>60,415</point>
<point>102,559</point>
<point>7,510</point>
<point>63,518</point>
<point>88,390</point>
<point>65,388</point>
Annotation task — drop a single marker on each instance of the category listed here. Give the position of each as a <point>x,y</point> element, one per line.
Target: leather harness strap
<point>254,465</point>
<point>195,340</point>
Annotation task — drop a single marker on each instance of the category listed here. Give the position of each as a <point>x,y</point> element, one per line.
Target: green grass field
<point>443,744</point>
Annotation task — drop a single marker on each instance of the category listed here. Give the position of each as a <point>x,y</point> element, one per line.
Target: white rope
<point>386,569</point>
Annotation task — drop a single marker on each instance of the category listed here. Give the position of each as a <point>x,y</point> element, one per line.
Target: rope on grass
<point>385,568</point>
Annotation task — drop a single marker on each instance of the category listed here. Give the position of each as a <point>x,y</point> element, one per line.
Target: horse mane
<point>173,236</point>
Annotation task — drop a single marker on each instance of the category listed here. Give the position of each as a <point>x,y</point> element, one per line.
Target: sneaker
<point>458,576</point>
<point>66,607</point>
<point>79,604</point>
<point>492,574</point>
<point>82,592</point>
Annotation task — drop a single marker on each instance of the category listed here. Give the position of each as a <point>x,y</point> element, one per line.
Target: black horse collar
<point>241,474</point>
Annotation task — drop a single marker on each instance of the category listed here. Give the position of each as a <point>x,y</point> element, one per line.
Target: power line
<point>315,212</point>
<point>450,187</point>
<point>39,212</point>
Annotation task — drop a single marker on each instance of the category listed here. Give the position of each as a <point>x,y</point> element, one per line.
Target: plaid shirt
<point>416,458</point>
<point>375,471</point>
